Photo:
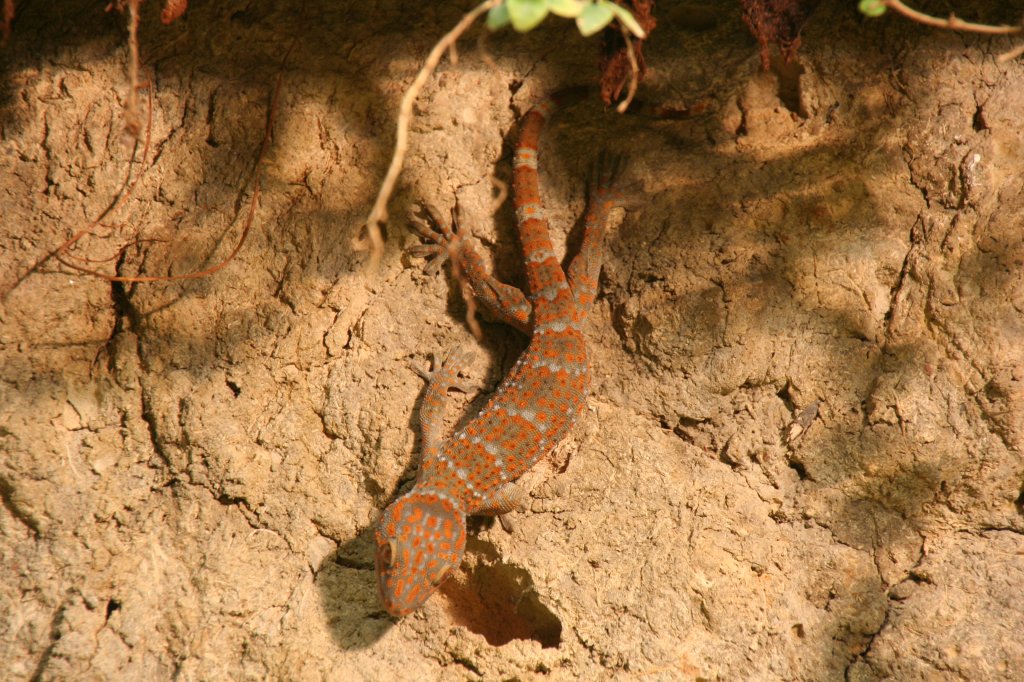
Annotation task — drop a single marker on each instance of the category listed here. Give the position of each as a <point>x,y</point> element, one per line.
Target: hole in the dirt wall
<point>978,122</point>
<point>498,601</point>
<point>788,74</point>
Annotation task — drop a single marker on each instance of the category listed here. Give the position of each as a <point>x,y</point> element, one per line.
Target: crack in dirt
<point>909,158</point>
<point>985,528</point>
<point>897,288</point>
<point>912,575</point>
<point>835,538</point>
<point>128,319</point>
<point>55,637</point>
<point>242,505</point>
<point>153,430</point>
<point>962,356</point>
<point>872,636</point>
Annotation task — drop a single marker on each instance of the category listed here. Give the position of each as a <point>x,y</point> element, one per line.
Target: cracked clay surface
<point>188,470</point>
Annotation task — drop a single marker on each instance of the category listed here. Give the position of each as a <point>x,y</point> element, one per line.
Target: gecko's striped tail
<point>549,292</point>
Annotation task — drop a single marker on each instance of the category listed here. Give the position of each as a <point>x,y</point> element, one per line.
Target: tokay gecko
<point>421,537</point>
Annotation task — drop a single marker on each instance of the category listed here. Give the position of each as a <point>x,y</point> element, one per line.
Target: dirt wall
<point>189,469</point>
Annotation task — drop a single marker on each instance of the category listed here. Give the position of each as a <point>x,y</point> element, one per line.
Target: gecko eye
<point>387,553</point>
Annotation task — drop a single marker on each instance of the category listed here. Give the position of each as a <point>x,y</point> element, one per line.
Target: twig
<point>953,22</point>
<point>634,74</point>
<point>374,240</point>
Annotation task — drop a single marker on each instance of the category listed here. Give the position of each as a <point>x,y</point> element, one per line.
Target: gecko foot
<point>445,374</point>
<point>605,174</point>
<point>441,237</point>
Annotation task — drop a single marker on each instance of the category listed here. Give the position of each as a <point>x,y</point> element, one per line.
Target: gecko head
<point>420,540</point>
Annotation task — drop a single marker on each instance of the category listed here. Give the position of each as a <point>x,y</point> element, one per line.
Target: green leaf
<point>497,17</point>
<point>627,19</point>
<point>526,14</point>
<point>872,8</point>
<point>593,18</point>
<point>570,9</point>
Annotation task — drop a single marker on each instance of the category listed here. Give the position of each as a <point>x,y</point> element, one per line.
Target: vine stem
<point>954,22</point>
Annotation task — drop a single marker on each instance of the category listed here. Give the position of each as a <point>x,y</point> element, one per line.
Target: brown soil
<point>189,469</point>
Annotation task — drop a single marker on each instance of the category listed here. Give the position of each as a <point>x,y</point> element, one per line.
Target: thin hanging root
<point>119,199</point>
<point>267,137</point>
<point>373,241</point>
<point>190,275</point>
<point>129,186</point>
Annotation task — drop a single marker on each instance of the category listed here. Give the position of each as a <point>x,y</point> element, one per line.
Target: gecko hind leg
<point>501,502</point>
<point>603,196</point>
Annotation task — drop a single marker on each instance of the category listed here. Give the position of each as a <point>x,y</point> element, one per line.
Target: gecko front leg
<point>505,302</point>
